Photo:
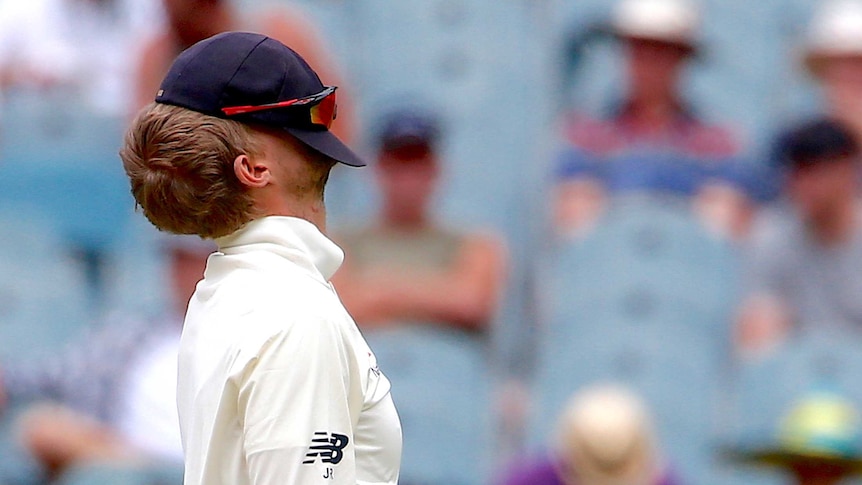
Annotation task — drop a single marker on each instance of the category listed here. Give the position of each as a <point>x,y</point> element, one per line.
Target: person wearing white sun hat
<point>672,21</point>
<point>832,53</point>
<point>652,140</point>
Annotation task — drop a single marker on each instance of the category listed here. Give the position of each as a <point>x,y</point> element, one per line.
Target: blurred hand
<point>724,210</point>
<point>375,302</point>
<point>60,438</point>
<point>763,324</point>
<point>577,206</point>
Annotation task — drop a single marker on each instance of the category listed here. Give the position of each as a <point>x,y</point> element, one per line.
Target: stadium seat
<point>766,387</point>
<point>44,298</point>
<point>44,303</point>
<point>648,258</point>
<point>61,159</point>
<point>16,466</point>
<point>441,384</point>
<point>644,300</point>
<point>119,474</point>
<point>135,270</point>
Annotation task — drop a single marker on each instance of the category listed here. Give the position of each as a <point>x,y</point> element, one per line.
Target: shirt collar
<point>287,236</point>
<point>626,113</point>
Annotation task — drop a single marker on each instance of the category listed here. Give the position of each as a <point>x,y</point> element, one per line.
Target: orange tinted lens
<point>323,113</point>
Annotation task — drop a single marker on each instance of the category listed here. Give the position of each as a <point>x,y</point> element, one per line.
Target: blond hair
<point>180,166</point>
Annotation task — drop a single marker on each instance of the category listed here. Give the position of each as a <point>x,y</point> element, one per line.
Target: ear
<point>251,172</point>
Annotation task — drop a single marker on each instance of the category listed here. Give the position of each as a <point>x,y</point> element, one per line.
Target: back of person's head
<point>407,168</point>
<point>815,142</point>
<point>408,131</point>
<point>180,164</point>
<point>605,437</point>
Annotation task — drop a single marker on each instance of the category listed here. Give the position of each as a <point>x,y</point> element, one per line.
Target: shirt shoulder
<point>776,227</point>
<point>712,140</point>
<point>243,311</point>
<point>249,279</point>
<point>594,135</point>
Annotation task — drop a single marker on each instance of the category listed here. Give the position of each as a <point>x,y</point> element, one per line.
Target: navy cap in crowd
<point>408,128</point>
<point>815,142</point>
<point>252,78</point>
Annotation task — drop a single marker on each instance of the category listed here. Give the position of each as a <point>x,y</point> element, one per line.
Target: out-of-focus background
<point>654,195</point>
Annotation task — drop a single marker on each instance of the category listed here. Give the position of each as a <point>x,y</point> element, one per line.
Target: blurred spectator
<point>190,21</point>
<point>803,261</point>
<point>604,436</point>
<point>817,443</point>
<point>652,140</point>
<point>114,397</point>
<point>406,267</point>
<point>425,297</point>
<point>80,47</point>
<point>833,54</point>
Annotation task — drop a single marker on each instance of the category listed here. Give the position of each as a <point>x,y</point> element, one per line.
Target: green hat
<point>822,427</point>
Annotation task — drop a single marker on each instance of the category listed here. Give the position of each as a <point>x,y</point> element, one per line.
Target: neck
<point>208,21</point>
<point>313,211</point>
<point>851,118</point>
<point>654,112</point>
<point>405,222</point>
<point>836,227</point>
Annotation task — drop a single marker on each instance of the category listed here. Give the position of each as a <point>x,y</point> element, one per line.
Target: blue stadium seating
<point>44,302</point>
<point>766,387</point>
<point>44,298</point>
<point>136,270</point>
<point>16,466</point>
<point>441,386</point>
<point>644,300</point>
<point>61,159</point>
<point>119,474</point>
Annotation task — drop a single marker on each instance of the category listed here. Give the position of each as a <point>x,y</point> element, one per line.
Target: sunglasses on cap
<point>323,109</point>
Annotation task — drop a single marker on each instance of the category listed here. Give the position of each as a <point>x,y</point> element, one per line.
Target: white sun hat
<point>672,21</point>
<point>605,437</point>
<point>835,31</point>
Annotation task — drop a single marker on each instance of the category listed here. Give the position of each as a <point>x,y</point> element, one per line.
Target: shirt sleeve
<point>574,163</point>
<point>764,260</point>
<point>294,405</point>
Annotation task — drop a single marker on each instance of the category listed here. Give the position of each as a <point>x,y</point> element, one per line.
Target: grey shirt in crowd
<point>821,285</point>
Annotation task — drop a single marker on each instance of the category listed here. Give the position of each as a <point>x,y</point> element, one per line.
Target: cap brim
<point>814,60</point>
<point>690,47</point>
<point>774,456</point>
<point>328,144</point>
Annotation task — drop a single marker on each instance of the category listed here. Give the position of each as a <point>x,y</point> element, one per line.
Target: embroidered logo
<point>329,447</point>
<point>374,368</point>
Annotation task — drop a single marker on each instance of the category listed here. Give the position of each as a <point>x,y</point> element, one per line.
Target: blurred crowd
<point>663,304</point>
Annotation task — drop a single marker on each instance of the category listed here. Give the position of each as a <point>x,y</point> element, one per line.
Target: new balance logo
<point>328,447</point>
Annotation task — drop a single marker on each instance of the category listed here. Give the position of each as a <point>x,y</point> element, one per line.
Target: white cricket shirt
<point>276,384</point>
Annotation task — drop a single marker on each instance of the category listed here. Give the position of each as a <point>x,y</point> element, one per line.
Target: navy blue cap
<point>407,128</point>
<point>241,69</point>
<point>814,142</point>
